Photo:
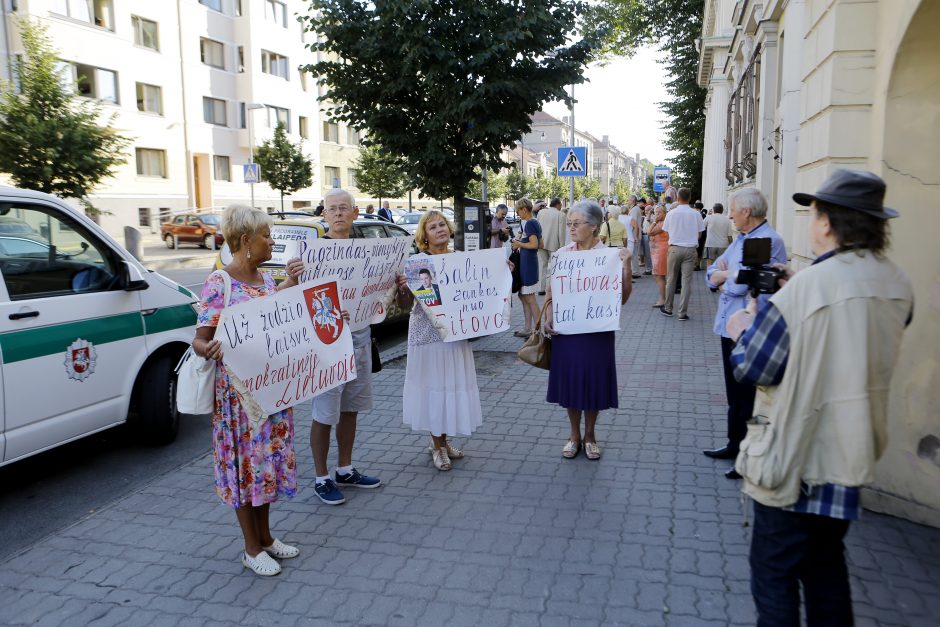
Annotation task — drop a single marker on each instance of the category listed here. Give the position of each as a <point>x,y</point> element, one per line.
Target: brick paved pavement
<point>514,535</point>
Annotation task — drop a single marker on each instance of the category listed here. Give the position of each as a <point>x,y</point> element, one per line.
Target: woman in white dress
<point>441,393</point>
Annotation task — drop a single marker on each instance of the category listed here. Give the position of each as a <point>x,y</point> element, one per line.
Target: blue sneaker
<point>329,493</point>
<point>355,479</point>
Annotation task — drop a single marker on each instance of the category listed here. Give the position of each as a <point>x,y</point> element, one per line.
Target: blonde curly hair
<point>421,235</point>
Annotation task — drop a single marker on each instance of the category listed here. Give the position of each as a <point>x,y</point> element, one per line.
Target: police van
<point>89,337</point>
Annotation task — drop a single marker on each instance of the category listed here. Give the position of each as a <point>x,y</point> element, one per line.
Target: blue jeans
<point>789,549</point>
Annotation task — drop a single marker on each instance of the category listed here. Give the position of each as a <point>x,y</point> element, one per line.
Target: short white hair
<point>750,198</point>
<point>336,191</point>
<point>241,220</point>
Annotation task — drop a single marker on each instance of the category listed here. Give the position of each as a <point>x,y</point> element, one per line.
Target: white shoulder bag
<point>195,375</point>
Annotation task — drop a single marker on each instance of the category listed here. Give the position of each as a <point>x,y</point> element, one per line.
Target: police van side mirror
<point>131,279</point>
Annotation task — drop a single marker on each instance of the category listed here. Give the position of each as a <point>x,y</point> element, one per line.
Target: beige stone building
<point>797,88</point>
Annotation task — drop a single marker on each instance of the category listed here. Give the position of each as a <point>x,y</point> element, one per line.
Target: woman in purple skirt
<point>582,377</point>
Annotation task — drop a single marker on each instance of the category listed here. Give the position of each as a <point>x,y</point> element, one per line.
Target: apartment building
<point>193,84</point>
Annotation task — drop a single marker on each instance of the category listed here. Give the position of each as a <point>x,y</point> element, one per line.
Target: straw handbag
<point>537,350</point>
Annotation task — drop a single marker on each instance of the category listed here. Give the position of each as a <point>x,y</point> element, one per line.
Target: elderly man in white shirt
<point>683,224</point>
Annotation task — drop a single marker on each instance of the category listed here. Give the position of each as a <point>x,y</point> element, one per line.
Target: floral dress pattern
<point>251,468</point>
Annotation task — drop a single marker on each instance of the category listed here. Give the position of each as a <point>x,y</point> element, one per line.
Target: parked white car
<point>89,338</point>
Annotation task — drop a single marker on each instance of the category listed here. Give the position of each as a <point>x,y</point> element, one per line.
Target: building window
<point>276,12</point>
<point>331,176</point>
<point>303,80</point>
<point>145,33</point>
<point>240,59</point>
<point>352,176</point>
<point>97,12</point>
<point>238,8</point>
<point>352,136</point>
<point>212,53</point>
<point>274,63</point>
<point>151,162</point>
<point>278,115</point>
<point>149,98</point>
<point>242,115</point>
<point>90,81</point>
<point>222,168</point>
<point>215,5</point>
<point>331,132</point>
<point>213,111</point>
<point>143,216</point>
<point>304,128</point>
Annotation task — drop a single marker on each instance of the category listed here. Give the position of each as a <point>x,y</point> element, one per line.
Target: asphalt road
<point>52,490</point>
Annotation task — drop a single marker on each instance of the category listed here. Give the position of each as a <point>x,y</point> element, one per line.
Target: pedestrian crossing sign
<point>252,173</point>
<point>572,161</point>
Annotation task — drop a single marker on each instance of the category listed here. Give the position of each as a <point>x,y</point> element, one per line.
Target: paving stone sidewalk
<point>653,534</point>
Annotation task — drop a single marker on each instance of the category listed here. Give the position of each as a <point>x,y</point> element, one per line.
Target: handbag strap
<point>226,288</point>
<point>538,323</point>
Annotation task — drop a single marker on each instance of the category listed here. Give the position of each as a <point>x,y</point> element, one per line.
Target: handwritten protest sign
<point>586,290</point>
<point>288,347</point>
<point>364,268</point>
<point>465,293</point>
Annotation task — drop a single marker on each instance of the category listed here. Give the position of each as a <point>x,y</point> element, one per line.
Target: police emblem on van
<point>80,359</point>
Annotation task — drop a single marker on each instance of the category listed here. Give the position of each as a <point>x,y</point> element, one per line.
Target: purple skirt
<point>583,372</point>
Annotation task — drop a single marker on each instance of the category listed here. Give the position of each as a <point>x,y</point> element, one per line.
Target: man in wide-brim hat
<point>821,351</point>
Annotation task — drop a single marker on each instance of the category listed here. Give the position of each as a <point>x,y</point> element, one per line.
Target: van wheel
<point>158,421</point>
<point>169,241</point>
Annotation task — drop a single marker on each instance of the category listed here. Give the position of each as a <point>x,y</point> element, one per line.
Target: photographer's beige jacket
<point>826,420</point>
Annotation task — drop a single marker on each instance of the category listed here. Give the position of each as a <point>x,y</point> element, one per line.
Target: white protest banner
<point>467,293</point>
<point>288,347</point>
<point>586,290</point>
<point>364,268</point>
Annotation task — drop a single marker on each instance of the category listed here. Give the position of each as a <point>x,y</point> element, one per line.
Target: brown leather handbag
<point>537,350</point>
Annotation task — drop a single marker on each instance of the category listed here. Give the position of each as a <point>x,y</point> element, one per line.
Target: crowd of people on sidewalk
<point>807,360</point>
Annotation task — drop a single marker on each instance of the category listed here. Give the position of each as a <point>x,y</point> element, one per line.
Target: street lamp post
<point>251,143</point>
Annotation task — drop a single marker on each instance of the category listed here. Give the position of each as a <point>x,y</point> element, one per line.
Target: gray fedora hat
<point>852,189</point>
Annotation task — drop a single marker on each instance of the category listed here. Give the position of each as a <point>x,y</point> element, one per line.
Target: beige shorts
<point>355,395</point>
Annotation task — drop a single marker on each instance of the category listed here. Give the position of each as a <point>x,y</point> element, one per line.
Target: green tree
<point>560,186</point>
<point>541,185</point>
<point>622,191</point>
<point>446,85</point>
<point>380,173</point>
<point>517,184</point>
<point>592,187</point>
<point>495,186</point>
<point>632,23</point>
<point>283,165</point>
<point>51,140</point>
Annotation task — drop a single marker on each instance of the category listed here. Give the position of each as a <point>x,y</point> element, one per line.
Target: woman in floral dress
<point>253,465</point>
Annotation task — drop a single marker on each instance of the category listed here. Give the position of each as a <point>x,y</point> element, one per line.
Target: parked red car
<point>193,228</point>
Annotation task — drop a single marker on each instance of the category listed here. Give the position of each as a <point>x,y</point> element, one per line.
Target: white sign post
<point>364,268</point>
<point>586,291</point>
<point>288,347</point>
<point>467,293</point>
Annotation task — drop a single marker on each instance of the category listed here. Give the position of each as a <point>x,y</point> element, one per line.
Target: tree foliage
<point>283,164</point>
<point>380,173</point>
<point>446,85</point>
<point>517,184</point>
<point>495,186</point>
<point>674,25</point>
<point>50,139</point>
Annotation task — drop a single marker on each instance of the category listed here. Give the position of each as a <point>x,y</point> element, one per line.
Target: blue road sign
<point>252,173</point>
<point>661,177</point>
<point>572,161</point>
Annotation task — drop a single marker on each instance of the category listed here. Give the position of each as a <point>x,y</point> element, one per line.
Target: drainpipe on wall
<point>6,42</point>
<point>190,192</point>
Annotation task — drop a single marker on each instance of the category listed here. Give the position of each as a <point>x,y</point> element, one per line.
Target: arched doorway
<point>910,471</point>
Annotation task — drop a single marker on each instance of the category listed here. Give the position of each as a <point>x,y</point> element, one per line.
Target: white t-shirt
<point>683,224</point>
<point>627,221</point>
<point>719,230</point>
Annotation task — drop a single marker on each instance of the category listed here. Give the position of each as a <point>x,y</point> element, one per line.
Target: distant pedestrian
<point>499,227</point>
<point>683,224</point>
<point>385,212</point>
<point>700,251</point>
<point>552,221</point>
<point>648,213</point>
<point>370,210</point>
<point>822,351</point>
<point>319,210</point>
<point>253,456</point>
<point>527,243</point>
<point>440,394</point>
<point>636,213</point>
<point>718,229</point>
<point>582,377</point>
<point>613,232</point>
<point>659,249</point>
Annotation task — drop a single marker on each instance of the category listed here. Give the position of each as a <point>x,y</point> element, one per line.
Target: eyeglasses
<point>575,225</point>
<point>339,209</point>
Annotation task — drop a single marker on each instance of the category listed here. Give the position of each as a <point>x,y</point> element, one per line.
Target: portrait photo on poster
<point>422,279</point>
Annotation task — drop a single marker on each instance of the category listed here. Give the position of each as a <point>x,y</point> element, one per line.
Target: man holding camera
<point>821,351</point>
<point>748,209</point>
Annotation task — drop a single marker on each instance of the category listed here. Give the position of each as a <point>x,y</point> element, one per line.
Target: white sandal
<point>453,452</point>
<point>441,460</point>
<point>262,563</point>
<point>281,551</point>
